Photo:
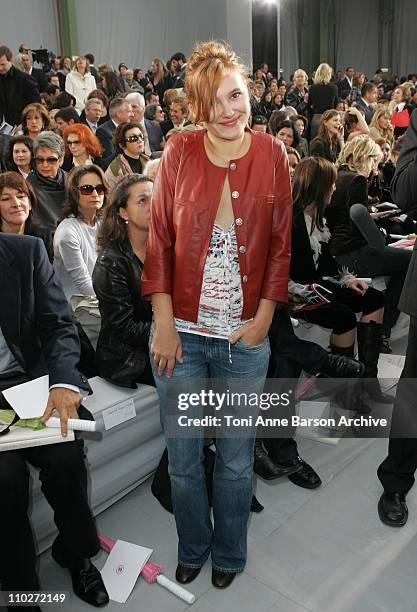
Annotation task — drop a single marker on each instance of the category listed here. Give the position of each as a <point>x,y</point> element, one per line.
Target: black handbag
<point>161,483</point>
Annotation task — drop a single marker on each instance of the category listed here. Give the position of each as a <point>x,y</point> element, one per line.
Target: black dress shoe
<point>392,509</point>
<point>265,467</point>
<point>305,477</point>
<point>86,579</point>
<point>184,575</point>
<point>221,580</point>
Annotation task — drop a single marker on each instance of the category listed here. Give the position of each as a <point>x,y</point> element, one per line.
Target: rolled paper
<point>176,589</point>
<point>73,424</point>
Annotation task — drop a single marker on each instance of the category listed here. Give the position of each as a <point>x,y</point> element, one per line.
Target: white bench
<point>118,459</point>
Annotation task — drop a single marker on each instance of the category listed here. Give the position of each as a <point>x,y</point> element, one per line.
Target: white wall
<point>239,29</point>
<point>135,31</point>
<point>404,38</point>
<point>29,21</point>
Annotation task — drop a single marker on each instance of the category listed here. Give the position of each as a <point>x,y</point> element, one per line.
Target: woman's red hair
<point>86,137</point>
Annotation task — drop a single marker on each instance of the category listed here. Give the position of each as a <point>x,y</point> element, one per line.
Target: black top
<point>319,147</point>
<point>50,195</point>
<point>351,188</point>
<point>135,164</point>
<point>122,353</point>
<point>68,163</point>
<point>321,98</point>
<point>302,267</point>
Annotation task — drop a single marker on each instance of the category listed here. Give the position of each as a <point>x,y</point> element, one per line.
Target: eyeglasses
<point>73,142</point>
<point>134,138</point>
<point>88,189</point>
<point>46,160</point>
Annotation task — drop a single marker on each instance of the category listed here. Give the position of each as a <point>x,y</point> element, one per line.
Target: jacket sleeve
<point>404,184</point>
<point>158,269</point>
<point>57,332</point>
<point>358,191</point>
<point>111,284</point>
<point>31,91</point>
<point>275,282</point>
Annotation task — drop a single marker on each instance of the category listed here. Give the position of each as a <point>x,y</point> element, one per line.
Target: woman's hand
<point>166,349</point>
<point>251,333</point>
<point>357,285</point>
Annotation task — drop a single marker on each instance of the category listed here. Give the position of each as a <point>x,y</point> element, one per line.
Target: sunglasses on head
<point>88,189</point>
<point>48,160</point>
<point>134,138</point>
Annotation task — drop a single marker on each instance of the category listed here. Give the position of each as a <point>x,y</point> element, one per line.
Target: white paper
<point>24,437</point>
<point>389,370</point>
<point>29,399</point>
<point>119,413</point>
<point>122,568</point>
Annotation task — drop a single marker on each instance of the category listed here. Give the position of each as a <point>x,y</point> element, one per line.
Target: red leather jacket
<point>185,200</point>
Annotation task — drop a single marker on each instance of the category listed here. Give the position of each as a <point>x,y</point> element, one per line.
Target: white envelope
<point>122,568</point>
<point>29,399</point>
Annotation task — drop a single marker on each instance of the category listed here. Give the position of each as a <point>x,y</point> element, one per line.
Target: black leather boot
<point>336,365</point>
<point>351,396</point>
<point>369,342</point>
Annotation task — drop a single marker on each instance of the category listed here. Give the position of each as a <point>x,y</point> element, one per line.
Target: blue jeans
<point>208,358</point>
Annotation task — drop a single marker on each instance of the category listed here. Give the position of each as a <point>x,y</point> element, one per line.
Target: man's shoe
<point>392,509</point>
<point>184,575</point>
<point>305,477</point>
<point>266,468</point>
<point>222,580</point>
<point>86,579</point>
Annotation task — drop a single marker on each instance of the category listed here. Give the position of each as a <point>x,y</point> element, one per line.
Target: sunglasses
<point>134,138</point>
<point>48,160</point>
<point>73,142</point>
<point>88,189</point>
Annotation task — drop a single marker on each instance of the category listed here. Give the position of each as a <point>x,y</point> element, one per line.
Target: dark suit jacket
<point>369,112</point>
<point>17,90</point>
<point>155,134</point>
<point>39,77</point>
<point>404,194</point>
<point>34,314</point>
<point>105,134</point>
<point>344,88</point>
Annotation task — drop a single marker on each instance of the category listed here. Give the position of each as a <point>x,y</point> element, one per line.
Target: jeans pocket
<point>251,347</point>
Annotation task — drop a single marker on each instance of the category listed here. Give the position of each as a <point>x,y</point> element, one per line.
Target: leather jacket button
<point>242,249</point>
<point>244,279</point>
<point>232,166</point>
<point>235,194</point>
<point>239,221</point>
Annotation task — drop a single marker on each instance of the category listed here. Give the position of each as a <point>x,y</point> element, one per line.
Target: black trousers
<point>396,472</point>
<point>63,476</point>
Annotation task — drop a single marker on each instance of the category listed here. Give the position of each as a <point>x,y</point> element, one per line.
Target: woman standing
<point>80,82</point>
<point>216,265</point>
<point>322,96</point>
<point>159,77</point>
<point>329,141</point>
<point>122,355</point>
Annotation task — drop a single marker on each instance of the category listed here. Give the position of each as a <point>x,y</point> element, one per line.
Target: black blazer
<point>321,98</point>
<point>404,193</point>
<point>105,134</point>
<point>17,90</point>
<point>344,88</point>
<point>34,313</point>
<point>369,112</point>
<point>302,268</point>
<point>122,354</point>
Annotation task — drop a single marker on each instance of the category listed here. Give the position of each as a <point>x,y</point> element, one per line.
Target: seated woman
<point>122,355</point>
<point>311,262</point>
<point>18,209</point>
<point>329,140</point>
<point>83,146</point>
<point>287,132</point>
<point>75,250</point>
<point>380,126</point>
<point>401,108</point>
<point>48,179</point>
<point>19,155</point>
<point>129,139</point>
<point>293,160</point>
<point>35,119</point>
<point>355,123</point>
<point>349,247</point>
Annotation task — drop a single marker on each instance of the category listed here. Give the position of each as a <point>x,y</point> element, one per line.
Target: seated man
<point>38,337</point>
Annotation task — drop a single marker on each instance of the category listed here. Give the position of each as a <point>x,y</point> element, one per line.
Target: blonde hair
<point>380,111</point>
<point>356,151</point>
<point>300,72</point>
<point>205,68</point>
<point>323,74</point>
